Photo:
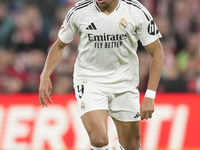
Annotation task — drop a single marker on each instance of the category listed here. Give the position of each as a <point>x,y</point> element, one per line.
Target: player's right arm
<point>53,58</point>
<point>67,32</point>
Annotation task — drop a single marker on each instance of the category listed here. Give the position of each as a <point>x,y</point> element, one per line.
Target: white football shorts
<point>121,106</point>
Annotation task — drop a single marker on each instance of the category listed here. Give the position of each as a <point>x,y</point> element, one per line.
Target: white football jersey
<point>108,43</point>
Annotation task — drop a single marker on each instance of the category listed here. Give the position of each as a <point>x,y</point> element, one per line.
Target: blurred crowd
<point>28,28</point>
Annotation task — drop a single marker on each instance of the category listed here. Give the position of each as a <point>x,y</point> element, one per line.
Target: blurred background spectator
<point>28,28</point>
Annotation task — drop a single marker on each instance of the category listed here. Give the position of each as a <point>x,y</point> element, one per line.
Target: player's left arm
<point>156,51</point>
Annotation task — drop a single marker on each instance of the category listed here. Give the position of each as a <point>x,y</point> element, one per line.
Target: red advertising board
<point>25,125</point>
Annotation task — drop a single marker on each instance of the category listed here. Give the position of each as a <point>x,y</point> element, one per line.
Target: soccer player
<point>106,69</point>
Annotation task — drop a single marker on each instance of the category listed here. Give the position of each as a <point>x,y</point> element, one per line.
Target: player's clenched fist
<point>147,108</point>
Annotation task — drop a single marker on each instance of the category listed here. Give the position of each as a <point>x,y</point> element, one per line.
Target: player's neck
<point>108,8</point>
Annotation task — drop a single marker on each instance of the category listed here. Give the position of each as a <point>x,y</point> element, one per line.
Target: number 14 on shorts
<point>80,89</point>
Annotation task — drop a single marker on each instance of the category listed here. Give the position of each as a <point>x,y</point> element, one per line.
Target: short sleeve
<point>147,30</point>
<point>69,28</point>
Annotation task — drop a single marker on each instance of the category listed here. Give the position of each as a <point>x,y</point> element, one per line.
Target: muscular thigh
<point>93,110</point>
<point>95,121</point>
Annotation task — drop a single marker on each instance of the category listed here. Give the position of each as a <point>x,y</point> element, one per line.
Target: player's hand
<point>45,90</point>
<point>147,108</point>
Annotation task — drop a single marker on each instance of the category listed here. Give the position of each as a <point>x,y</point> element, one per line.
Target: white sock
<point>116,146</point>
<point>100,148</point>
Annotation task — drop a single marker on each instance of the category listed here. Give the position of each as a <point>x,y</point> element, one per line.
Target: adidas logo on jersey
<point>137,115</point>
<point>91,27</point>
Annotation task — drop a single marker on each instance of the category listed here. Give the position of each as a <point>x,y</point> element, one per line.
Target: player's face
<point>107,5</point>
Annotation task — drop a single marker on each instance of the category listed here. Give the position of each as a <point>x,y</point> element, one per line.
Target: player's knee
<point>133,144</point>
<point>136,144</point>
<point>98,140</point>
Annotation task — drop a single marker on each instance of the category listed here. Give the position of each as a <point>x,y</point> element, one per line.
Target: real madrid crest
<point>82,105</point>
<point>122,23</point>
